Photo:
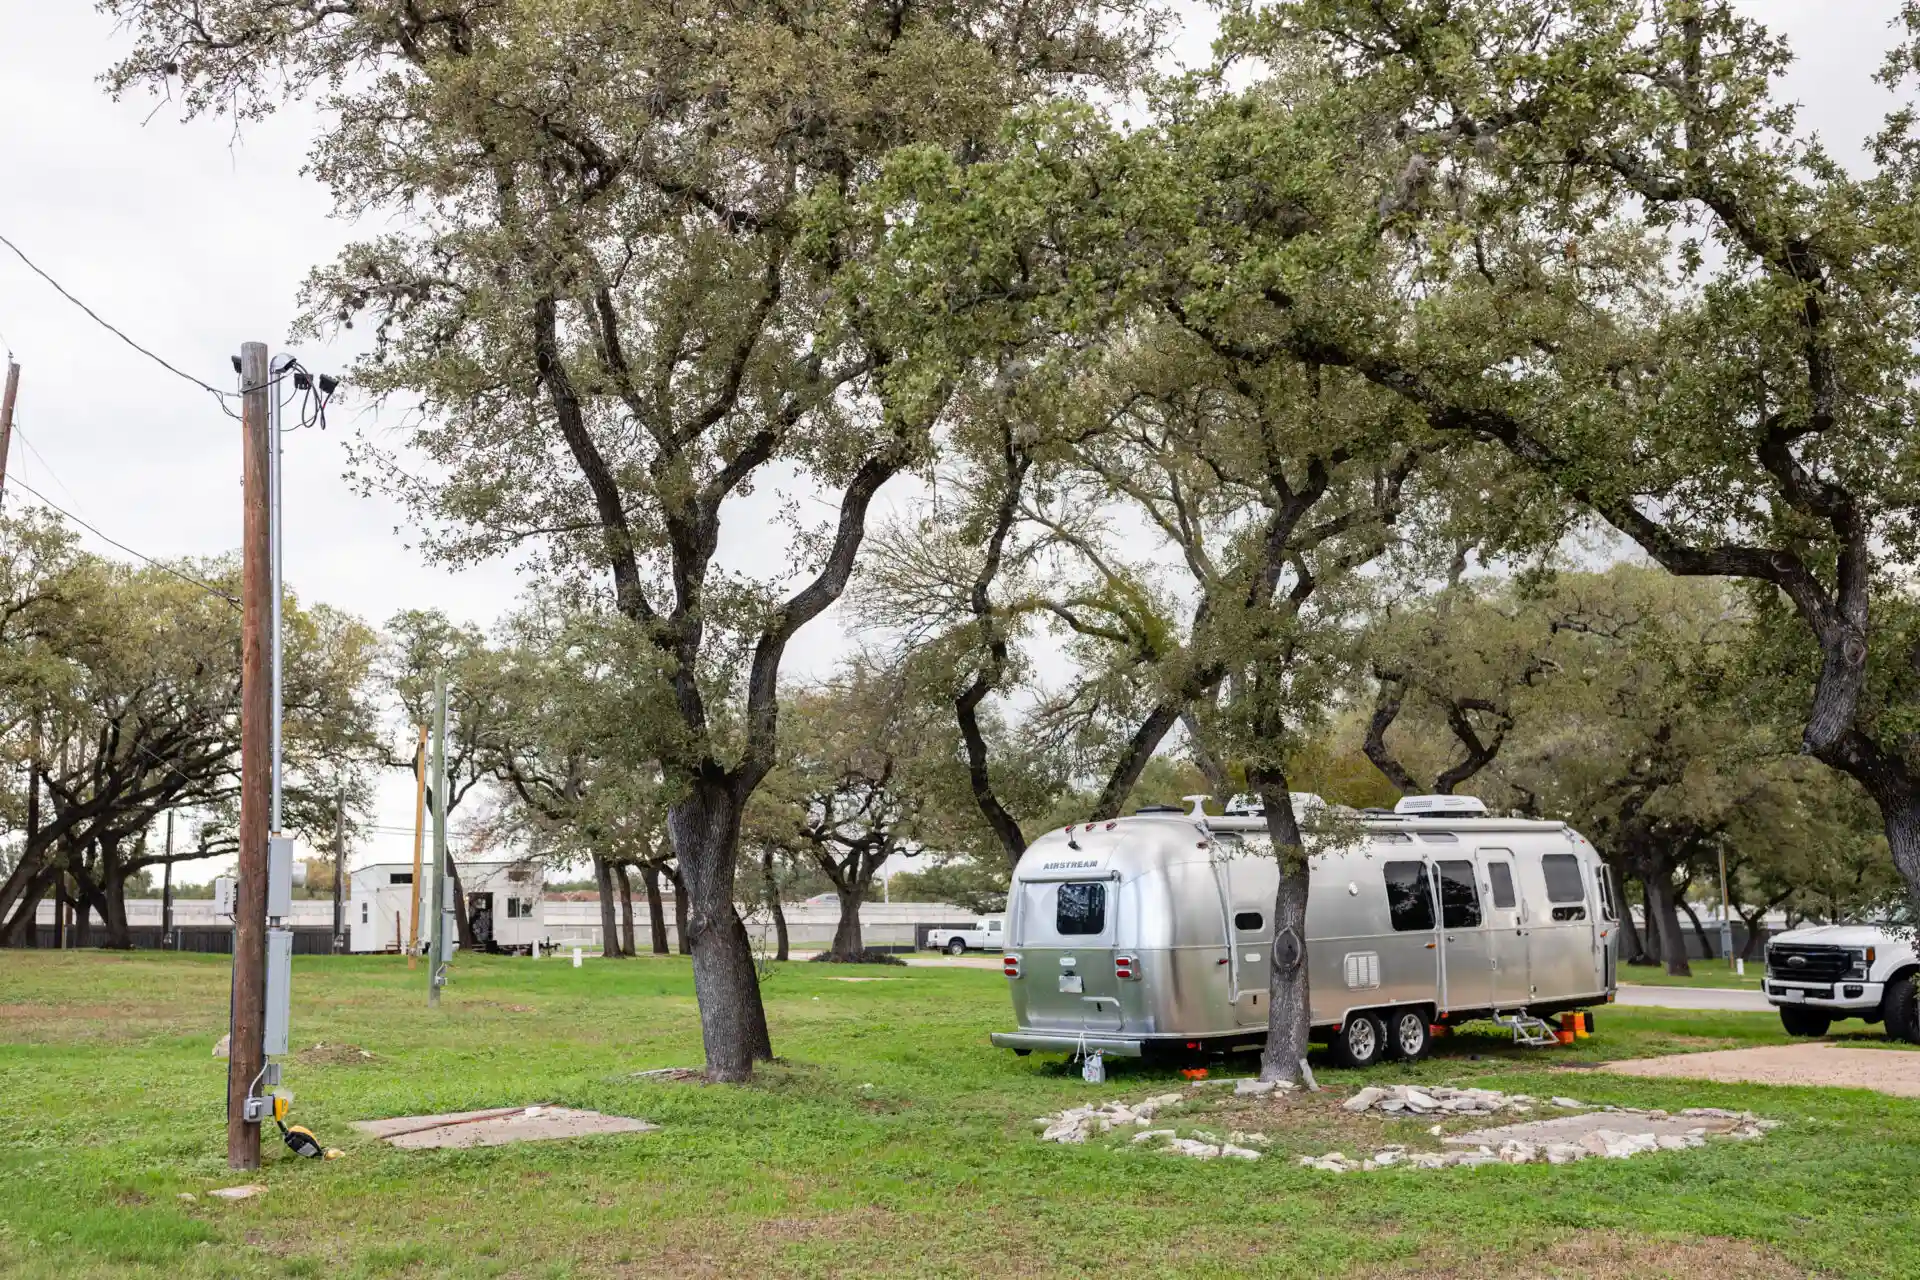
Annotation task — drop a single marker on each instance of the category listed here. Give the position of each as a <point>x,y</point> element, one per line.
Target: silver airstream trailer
<point>1151,935</point>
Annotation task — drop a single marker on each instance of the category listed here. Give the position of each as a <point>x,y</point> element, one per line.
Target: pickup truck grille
<point>1808,964</point>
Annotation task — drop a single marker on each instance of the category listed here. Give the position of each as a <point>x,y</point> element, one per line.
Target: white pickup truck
<point>1818,976</point>
<point>989,934</point>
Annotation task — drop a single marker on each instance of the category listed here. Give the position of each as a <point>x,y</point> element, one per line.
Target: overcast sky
<point>194,240</point>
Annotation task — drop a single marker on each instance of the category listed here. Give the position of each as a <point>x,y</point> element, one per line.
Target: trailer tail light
<point>1010,965</point>
<point>1126,967</point>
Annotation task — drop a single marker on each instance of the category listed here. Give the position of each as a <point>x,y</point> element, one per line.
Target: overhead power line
<point>161,565</point>
<point>119,333</point>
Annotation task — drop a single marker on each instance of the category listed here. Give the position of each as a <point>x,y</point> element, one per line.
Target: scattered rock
<point>239,1193</point>
<point>188,1196</point>
<point>669,1073</point>
<point>1245,1088</point>
<point>1193,1147</point>
<point>1366,1098</point>
<point>1571,1104</point>
<point>1238,1153</point>
<point>1151,1135</point>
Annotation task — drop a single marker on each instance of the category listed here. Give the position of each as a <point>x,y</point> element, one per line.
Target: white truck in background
<point>1818,976</point>
<point>989,934</point>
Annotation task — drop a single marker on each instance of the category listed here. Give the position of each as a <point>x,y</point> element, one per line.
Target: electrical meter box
<point>279,990</point>
<point>279,875</point>
<point>223,899</point>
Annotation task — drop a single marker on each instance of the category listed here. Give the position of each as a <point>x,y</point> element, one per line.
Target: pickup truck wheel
<point>1901,1008</point>
<point>957,947</point>
<point>1361,1042</point>
<point>1804,1022</point>
<point>1409,1035</point>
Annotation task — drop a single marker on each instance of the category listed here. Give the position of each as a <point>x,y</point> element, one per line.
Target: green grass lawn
<point>1706,973</point>
<point>891,1140</point>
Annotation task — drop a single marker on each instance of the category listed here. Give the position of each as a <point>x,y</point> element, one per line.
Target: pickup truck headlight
<point>1862,962</point>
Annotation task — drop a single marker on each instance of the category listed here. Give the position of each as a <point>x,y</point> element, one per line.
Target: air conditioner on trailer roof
<point>1440,806</point>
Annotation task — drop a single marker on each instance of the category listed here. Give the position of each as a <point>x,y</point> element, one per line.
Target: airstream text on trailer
<point>1153,934</point>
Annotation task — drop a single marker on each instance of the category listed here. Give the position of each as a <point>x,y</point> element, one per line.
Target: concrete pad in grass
<point>497,1127</point>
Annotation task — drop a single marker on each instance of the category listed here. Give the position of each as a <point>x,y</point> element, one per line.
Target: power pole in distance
<point>6,422</point>
<point>339,871</point>
<point>247,1017</point>
<point>166,891</point>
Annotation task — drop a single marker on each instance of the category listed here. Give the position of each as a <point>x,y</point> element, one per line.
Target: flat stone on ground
<point>1574,1128</point>
<point>497,1127</point>
<point>1892,1071</point>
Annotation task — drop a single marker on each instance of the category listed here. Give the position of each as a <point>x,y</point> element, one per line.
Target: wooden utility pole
<point>246,1047</point>
<point>166,891</point>
<point>419,835</point>
<point>6,422</point>
<point>438,944</point>
<point>339,872</point>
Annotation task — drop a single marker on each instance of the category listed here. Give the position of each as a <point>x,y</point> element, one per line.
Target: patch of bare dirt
<point>1607,1256</point>
<point>1818,1063</point>
<point>335,1055</point>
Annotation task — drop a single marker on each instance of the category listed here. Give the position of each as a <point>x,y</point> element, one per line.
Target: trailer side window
<point>1502,877</point>
<point>400,877</point>
<point>1081,908</point>
<point>1248,921</point>
<point>1409,896</point>
<point>1563,878</point>
<point>1459,896</point>
<point>1606,894</point>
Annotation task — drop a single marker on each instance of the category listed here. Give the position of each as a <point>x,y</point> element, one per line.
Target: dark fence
<point>308,940</point>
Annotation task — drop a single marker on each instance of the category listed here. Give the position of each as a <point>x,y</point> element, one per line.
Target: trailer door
<point>1066,931</point>
<point>1466,959</point>
<point>1506,930</point>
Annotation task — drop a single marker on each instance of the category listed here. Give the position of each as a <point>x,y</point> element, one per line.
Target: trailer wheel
<point>1901,1009</point>
<point>1361,1041</point>
<point>1804,1022</point>
<point>957,947</point>
<point>1409,1035</point>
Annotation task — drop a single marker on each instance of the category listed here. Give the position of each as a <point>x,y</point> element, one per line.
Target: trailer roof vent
<point>1441,807</point>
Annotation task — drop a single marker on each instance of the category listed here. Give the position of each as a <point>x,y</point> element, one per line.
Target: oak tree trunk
<point>781,942</point>
<point>1289,1005</point>
<point>705,825</point>
<point>117,936</point>
<point>1663,916</point>
<point>462,916</point>
<point>682,942</point>
<point>656,910</point>
<point>1632,949</point>
<point>626,910</point>
<point>609,921</point>
<point>846,934</point>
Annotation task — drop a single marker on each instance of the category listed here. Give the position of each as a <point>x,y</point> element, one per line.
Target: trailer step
<point>1528,1030</point>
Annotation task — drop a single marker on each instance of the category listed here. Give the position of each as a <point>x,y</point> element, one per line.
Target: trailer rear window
<point>1409,896</point>
<point>1081,909</point>
<point>1563,878</point>
<point>1459,896</point>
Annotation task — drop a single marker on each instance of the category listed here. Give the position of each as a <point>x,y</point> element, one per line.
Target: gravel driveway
<point>1893,1071</point>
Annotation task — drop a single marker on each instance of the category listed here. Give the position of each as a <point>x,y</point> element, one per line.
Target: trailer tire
<point>1901,1009</point>
<point>1361,1041</point>
<point>1801,1021</point>
<point>1409,1034</point>
<point>957,947</point>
